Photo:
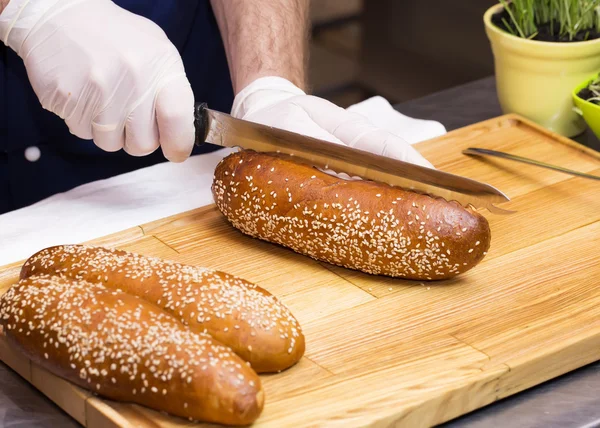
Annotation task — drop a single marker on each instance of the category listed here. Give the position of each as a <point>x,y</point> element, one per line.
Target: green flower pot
<point>589,111</point>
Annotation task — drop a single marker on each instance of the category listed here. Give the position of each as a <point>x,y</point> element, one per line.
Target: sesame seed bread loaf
<point>239,314</point>
<point>124,348</point>
<point>358,224</point>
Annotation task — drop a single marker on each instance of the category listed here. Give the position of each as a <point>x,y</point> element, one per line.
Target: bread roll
<point>241,315</point>
<point>358,224</point>
<point>123,348</point>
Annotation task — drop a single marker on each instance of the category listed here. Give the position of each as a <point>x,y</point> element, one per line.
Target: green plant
<point>591,92</point>
<point>564,19</point>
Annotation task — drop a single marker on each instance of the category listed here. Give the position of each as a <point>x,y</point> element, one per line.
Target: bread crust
<point>357,224</point>
<point>240,314</point>
<point>122,347</point>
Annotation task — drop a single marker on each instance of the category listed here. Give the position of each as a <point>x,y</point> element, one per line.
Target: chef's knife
<point>224,130</point>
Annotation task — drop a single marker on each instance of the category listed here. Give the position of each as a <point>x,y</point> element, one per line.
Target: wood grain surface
<point>384,352</point>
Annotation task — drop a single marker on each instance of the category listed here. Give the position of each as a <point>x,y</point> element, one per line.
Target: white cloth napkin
<point>381,113</point>
<point>103,207</point>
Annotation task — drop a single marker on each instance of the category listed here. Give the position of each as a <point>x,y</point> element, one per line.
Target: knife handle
<point>200,123</point>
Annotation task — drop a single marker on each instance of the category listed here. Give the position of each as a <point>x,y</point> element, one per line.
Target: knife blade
<point>224,130</point>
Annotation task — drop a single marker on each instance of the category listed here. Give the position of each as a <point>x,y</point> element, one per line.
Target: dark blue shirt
<point>67,161</point>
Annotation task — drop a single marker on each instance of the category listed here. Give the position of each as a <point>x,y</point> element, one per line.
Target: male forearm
<point>264,38</point>
<point>3,4</point>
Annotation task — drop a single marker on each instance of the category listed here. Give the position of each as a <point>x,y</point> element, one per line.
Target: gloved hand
<point>276,102</point>
<point>113,76</point>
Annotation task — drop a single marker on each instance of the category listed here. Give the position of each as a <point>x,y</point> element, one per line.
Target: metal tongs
<point>487,152</point>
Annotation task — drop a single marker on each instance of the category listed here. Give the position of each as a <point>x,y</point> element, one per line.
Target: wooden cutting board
<point>384,352</point>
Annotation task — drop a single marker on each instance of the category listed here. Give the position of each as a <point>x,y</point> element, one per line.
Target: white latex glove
<point>277,102</point>
<point>113,76</point>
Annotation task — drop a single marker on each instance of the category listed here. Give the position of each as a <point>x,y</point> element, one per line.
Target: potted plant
<point>542,49</point>
<point>587,102</point>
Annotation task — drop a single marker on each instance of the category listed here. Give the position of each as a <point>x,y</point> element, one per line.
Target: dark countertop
<point>467,104</point>
<point>568,401</point>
